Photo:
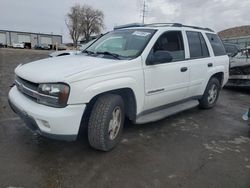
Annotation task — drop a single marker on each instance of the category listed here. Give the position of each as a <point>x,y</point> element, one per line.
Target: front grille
<point>27,88</point>
<point>30,90</point>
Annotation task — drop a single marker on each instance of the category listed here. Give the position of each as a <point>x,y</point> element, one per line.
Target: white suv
<point>141,72</point>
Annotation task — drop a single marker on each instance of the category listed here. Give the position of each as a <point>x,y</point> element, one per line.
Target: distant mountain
<point>235,32</point>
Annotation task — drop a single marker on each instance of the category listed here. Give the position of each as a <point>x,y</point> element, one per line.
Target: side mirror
<point>159,57</point>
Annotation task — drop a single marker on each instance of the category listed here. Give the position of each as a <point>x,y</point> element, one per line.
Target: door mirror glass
<point>159,57</point>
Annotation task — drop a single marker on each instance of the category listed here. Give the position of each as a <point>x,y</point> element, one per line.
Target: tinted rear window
<point>197,45</point>
<point>216,44</point>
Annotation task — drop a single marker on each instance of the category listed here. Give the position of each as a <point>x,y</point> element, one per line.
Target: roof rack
<point>129,25</point>
<point>176,25</point>
<point>163,25</point>
<point>160,25</point>
<point>195,27</point>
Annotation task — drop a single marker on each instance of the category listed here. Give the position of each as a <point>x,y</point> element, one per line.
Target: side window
<point>197,45</point>
<point>172,43</point>
<point>216,44</point>
<point>204,48</point>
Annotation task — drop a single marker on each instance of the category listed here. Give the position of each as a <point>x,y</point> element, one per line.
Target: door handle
<point>184,69</point>
<point>210,64</point>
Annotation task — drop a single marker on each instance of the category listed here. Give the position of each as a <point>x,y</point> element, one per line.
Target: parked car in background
<point>18,45</point>
<point>239,74</point>
<point>64,53</point>
<point>86,45</point>
<point>142,72</point>
<point>42,46</point>
<point>1,45</point>
<point>62,47</point>
<point>231,49</point>
<point>81,47</point>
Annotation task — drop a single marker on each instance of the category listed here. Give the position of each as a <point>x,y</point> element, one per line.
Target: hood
<point>60,53</point>
<point>57,69</point>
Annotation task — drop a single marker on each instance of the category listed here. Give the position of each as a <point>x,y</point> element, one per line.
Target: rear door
<point>220,59</point>
<point>167,82</point>
<point>199,62</point>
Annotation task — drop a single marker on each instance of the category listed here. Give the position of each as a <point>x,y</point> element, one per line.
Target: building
<point>7,38</point>
<point>237,35</point>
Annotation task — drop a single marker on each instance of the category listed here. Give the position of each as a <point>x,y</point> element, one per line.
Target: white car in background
<point>18,45</point>
<point>64,53</point>
<point>72,52</point>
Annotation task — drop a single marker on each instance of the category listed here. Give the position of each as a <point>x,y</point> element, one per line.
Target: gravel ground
<point>196,148</point>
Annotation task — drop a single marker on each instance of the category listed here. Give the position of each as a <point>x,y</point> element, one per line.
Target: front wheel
<point>106,122</point>
<point>211,94</point>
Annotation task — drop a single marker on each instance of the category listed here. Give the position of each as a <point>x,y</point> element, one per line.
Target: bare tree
<point>74,23</point>
<point>92,20</point>
<point>84,21</point>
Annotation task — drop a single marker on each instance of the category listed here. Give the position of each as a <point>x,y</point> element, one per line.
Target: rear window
<point>216,44</point>
<point>197,45</point>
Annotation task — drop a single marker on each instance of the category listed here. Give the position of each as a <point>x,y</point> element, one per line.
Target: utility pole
<point>143,12</point>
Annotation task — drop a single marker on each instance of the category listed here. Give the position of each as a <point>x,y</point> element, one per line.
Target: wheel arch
<point>128,97</point>
<point>219,76</point>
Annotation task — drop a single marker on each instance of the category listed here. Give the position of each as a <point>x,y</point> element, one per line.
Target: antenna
<point>144,11</point>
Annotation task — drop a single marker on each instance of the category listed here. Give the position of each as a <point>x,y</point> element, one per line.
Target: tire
<point>211,94</point>
<point>106,122</point>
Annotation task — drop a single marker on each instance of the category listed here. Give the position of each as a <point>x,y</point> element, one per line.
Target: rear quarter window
<point>216,44</point>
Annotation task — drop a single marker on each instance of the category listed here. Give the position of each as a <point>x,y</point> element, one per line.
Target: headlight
<point>55,95</point>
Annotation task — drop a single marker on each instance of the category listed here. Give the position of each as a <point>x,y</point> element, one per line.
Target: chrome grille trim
<point>31,92</point>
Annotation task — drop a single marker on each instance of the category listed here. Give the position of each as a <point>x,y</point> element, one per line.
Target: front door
<point>167,82</point>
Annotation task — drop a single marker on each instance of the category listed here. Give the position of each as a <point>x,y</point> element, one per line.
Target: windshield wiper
<point>88,52</point>
<point>109,53</point>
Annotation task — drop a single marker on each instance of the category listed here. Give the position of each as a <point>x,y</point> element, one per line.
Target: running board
<point>163,113</point>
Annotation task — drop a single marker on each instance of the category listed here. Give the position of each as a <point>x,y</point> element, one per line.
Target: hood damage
<point>239,73</point>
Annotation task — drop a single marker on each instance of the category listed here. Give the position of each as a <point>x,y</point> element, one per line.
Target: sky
<point>48,16</point>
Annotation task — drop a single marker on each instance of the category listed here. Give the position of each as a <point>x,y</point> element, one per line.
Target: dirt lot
<point>196,148</point>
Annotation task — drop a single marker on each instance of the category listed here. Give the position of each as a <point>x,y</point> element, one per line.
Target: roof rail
<point>177,25</point>
<point>164,24</point>
<point>195,27</point>
<point>145,25</point>
<point>129,25</point>
<point>160,25</point>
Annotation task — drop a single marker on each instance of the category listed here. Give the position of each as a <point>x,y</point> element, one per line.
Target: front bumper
<point>56,123</point>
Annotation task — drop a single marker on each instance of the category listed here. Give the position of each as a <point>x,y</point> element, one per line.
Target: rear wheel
<point>211,94</point>
<point>106,122</point>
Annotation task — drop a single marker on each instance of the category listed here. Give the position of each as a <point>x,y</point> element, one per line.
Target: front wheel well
<point>128,97</point>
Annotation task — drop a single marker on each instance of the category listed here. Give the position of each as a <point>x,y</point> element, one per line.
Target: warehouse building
<point>7,38</point>
<point>237,35</point>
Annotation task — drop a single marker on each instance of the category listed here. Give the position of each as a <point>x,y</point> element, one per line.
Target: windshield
<point>125,44</point>
<point>86,45</point>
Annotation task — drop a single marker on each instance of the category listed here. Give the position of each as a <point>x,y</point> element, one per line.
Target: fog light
<point>45,123</point>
